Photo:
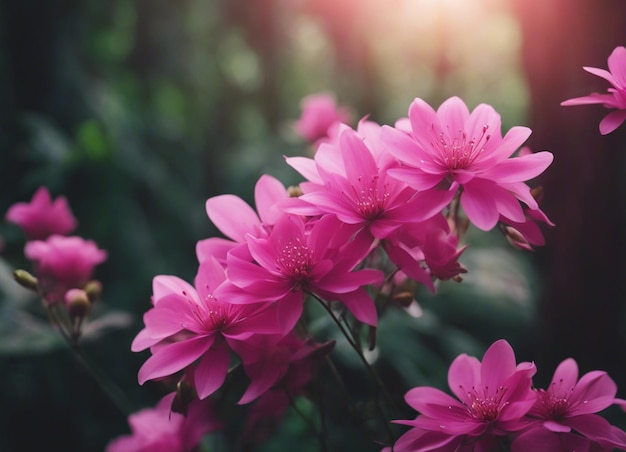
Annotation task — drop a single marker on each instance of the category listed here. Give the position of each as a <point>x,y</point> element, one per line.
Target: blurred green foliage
<point>138,111</point>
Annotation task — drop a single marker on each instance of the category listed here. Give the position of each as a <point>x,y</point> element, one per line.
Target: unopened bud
<point>93,289</point>
<point>184,395</point>
<point>26,280</point>
<point>537,193</point>
<point>294,191</point>
<point>404,298</point>
<point>515,238</point>
<point>77,303</point>
<point>371,336</point>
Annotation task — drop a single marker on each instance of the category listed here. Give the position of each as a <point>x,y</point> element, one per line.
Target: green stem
<point>378,383</point>
<point>112,390</point>
<point>320,436</point>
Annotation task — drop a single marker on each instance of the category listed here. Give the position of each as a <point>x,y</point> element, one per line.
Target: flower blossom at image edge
<point>616,96</point>
<point>493,397</point>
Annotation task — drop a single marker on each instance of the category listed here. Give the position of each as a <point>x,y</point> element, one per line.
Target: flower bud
<point>26,280</point>
<point>404,298</point>
<point>537,193</point>
<point>185,393</point>
<point>77,304</point>
<point>516,238</point>
<point>371,337</point>
<point>294,191</point>
<point>93,289</point>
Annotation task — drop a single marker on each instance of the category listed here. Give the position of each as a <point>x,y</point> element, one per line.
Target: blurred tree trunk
<point>581,312</point>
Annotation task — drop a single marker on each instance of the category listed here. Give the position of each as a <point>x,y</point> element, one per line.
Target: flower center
<point>296,259</point>
<point>484,406</point>
<point>370,199</point>
<point>459,152</point>
<point>555,400</point>
<point>212,314</point>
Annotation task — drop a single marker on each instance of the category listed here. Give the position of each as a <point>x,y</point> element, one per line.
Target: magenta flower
<point>273,361</point>
<point>63,263</point>
<point>190,325</point>
<point>298,258</point>
<point>42,217</point>
<point>616,97</point>
<point>159,429</point>
<point>430,242</point>
<point>280,370</point>
<point>320,113</point>
<point>350,180</point>
<point>452,149</point>
<point>568,406</point>
<point>235,218</point>
<point>493,398</point>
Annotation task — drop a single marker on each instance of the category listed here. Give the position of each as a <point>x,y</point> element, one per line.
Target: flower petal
<point>521,168</point>
<point>232,216</point>
<point>612,121</point>
<point>479,205</point>
<point>174,357</point>
<point>268,192</point>
<point>594,392</point>
<point>498,364</point>
<point>211,371</point>
<point>464,374</point>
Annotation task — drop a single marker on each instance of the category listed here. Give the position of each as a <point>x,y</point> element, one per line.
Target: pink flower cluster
<point>61,263</point>
<point>379,205</point>
<point>497,407</point>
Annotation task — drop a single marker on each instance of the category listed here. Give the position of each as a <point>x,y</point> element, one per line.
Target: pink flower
<point>273,360</point>
<point>42,217</point>
<point>451,149</point>
<point>493,398</point>
<point>431,242</point>
<point>159,429</point>
<point>235,219</point>
<point>63,263</point>
<point>319,114</point>
<point>569,405</point>
<point>280,370</point>
<point>350,180</point>
<point>616,97</point>
<point>190,325</point>
<point>298,258</point>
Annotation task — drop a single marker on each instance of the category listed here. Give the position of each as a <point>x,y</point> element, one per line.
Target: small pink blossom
<point>493,396</point>
<point>565,412</point>
<point>616,97</point>
<point>42,217</point>
<point>159,429</point>
<point>320,114</point>
<point>63,263</point>
<point>451,149</point>
<point>189,326</point>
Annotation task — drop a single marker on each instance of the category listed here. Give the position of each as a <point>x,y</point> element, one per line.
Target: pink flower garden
<point>294,294</point>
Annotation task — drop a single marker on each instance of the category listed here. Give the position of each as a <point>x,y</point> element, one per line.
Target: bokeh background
<point>139,110</point>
